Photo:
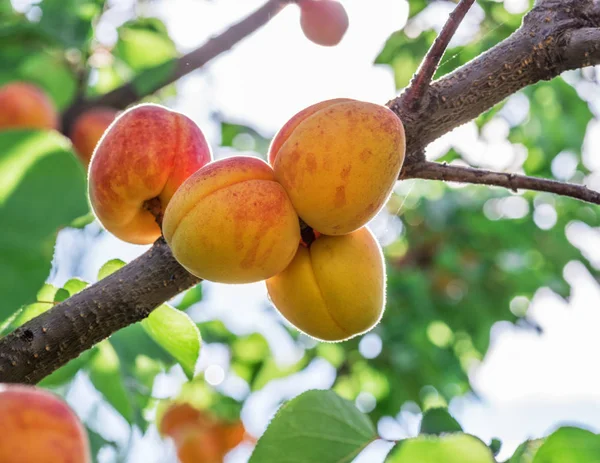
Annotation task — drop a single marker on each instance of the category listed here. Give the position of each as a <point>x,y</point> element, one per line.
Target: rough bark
<point>40,346</point>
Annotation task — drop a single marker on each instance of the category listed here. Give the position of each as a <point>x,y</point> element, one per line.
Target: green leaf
<point>67,372</point>
<point>452,448</point>
<point>438,421</point>
<point>110,267</point>
<point>105,374</point>
<point>526,451</point>
<point>191,297</point>
<point>45,299</point>
<point>317,426</point>
<point>75,285</point>
<point>176,333</point>
<point>61,295</point>
<point>569,445</point>
<point>42,189</point>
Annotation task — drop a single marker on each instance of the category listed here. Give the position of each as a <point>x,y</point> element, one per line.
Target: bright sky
<point>528,383</point>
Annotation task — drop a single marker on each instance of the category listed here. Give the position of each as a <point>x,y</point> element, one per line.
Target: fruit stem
<point>154,206</point>
<point>307,234</point>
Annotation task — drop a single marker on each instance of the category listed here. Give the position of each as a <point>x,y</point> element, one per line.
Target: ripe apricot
<point>88,129</point>
<point>37,427</point>
<point>323,21</point>
<point>334,289</point>
<point>338,161</point>
<point>199,436</point>
<point>26,106</point>
<point>231,222</point>
<point>143,158</point>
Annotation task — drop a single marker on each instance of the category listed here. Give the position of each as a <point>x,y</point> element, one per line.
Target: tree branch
<point>50,340</point>
<point>514,182</point>
<point>127,94</point>
<point>422,79</point>
<point>555,36</point>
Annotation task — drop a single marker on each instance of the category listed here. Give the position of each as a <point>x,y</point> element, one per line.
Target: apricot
<point>338,161</point>
<point>199,436</point>
<point>137,167</point>
<point>26,106</point>
<point>323,21</point>
<point>231,222</point>
<point>334,289</point>
<point>88,129</point>
<point>38,427</point>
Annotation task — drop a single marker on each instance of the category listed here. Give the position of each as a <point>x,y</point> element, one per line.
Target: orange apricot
<point>338,161</point>
<point>199,436</point>
<point>38,427</point>
<point>231,222</point>
<point>88,129</point>
<point>23,105</point>
<point>323,21</point>
<point>334,289</point>
<point>137,167</point>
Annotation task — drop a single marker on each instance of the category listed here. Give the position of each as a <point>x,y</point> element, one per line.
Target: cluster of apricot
<point>25,106</point>
<point>198,435</point>
<point>297,222</point>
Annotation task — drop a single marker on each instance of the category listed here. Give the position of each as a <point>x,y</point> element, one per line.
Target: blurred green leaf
<point>315,426</point>
<point>75,285</point>
<point>451,448</point>
<point>175,332</point>
<point>70,21</point>
<point>526,451</point>
<point>42,189</point>
<point>109,268</point>
<point>569,445</point>
<point>105,374</point>
<point>191,297</point>
<point>438,421</point>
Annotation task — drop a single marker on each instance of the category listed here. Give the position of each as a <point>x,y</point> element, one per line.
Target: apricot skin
<point>147,153</point>
<point>88,129</point>
<point>324,22</point>
<point>338,161</point>
<point>335,289</point>
<point>199,436</point>
<point>26,106</point>
<point>37,427</point>
<point>231,222</point>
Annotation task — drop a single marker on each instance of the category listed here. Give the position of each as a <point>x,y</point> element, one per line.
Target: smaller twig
<point>452,173</point>
<point>128,94</point>
<point>429,65</point>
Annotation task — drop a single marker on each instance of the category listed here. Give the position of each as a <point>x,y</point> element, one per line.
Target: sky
<point>527,384</point>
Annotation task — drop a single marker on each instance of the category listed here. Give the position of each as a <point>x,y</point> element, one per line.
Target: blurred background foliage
<point>463,258</point>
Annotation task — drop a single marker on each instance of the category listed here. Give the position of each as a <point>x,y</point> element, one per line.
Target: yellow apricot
<point>338,161</point>
<point>231,222</point>
<point>334,289</point>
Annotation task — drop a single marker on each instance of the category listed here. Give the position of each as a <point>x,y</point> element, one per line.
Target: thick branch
<point>424,75</point>
<point>453,173</point>
<point>556,35</point>
<point>553,38</point>
<point>43,344</point>
<point>127,94</point>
